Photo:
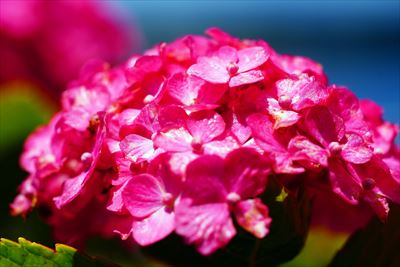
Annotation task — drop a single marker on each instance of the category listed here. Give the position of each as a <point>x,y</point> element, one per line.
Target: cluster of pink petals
<point>47,42</point>
<point>185,137</point>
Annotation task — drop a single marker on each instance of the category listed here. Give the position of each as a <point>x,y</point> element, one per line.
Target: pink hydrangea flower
<point>185,138</point>
<point>215,187</point>
<point>150,200</point>
<point>231,65</point>
<point>42,44</point>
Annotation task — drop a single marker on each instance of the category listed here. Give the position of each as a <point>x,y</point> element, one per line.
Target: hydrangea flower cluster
<point>185,138</point>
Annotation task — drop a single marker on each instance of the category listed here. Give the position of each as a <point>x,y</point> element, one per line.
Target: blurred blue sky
<point>358,42</point>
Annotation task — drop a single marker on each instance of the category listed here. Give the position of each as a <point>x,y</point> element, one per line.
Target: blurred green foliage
<point>23,107</point>
<point>320,247</point>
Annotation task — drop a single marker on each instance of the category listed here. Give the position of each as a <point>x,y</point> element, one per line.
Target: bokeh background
<point>357,42</point>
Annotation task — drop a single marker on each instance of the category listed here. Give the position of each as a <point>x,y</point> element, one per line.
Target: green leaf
<point>30,254</point>
<point>22,108</point>
<point>378,244</point>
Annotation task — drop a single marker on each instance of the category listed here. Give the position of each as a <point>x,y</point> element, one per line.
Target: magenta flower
<point>195,133</point>
<point>384,132</point>
<point>273,144</point>
<point>185,138</point>
<point>44,45</point>
<point>329,131</point>
<point>215,187</point>
<point>194,93</point>
<point>231,65</point>
<point>151,200</point>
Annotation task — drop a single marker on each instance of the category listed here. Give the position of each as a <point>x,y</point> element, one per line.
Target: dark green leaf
<point>22,108</point>
<point>30,254</point>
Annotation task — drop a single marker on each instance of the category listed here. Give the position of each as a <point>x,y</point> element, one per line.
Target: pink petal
<point>227,54</point>
<point>377,172</point>
<point>297,65</point>
<point>221,36</point>
<point>204,180</point>
<point>212,70</point>
<point>208,226</point>
<point>200,107</point>
<point>240,129</point>
<point>248,77</point>
<point>249,101</point>
<point>160,167</point>
<point>346,105</point>
<point>125,170</point>
<point>372,111</point>
<point>179,161</point>
<point>21,205</point>
<point>184,88</point>
<point>137,148</point>
<point>384,136</point>
<point>322,125</point>
<point>221,147</point>
<point>152,88</point>
<point>261,127</point>
<point>209,93</point>
<point>378,203</point>
<point>283,163</point>
<point>149,63</point>
<point>71,188</point>
<point>393,164</point>
<point>128,116</point>
<point>308,153</point>
<point>142,195</point>
<point>253,216</point>
<point>253,145</point>
<point>175,139</point>
<point>148,118</point>
<point>77,119</point>
<point>356,150</point>
<point>180,49</point>
<point>74,186</point>
<point>116,202</point>
<point>122,225</point>
<point>344,182</point>
<point>205,126</point>
<point>264,136</point>
<point>172,116</point>
<point>245,172</point>
<point>143,66</point>
<point>154,228</point>
<point>303,93</point>
<point>91,100</point>
<point>24,201</point>
<point>251,58</point>
<point>37,147</point>
<point>283,118</point>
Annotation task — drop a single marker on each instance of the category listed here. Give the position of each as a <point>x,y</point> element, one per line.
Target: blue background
<point>357,42</point>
